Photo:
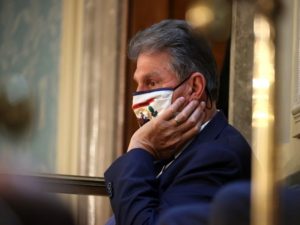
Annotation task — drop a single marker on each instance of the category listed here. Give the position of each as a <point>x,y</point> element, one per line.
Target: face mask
<point>149,104</point>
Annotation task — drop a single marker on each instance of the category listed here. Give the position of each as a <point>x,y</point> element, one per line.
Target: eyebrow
<point>149,75</point>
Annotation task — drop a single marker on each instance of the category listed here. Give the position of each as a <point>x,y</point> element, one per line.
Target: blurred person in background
<point>23,202</point>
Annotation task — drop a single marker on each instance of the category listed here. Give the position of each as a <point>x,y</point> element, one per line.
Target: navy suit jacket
<point>217,155</point>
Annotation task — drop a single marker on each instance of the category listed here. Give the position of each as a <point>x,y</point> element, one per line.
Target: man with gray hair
<point>185,150</point>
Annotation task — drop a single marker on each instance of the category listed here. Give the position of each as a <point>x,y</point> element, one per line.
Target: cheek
<point>181,93</point>
<point>186,102</point>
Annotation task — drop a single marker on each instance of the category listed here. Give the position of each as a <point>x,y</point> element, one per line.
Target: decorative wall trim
<point>69,88</point>
<point>91,104</point>
<point>66,184</point>
<point>296,111</point>
<point>296,125</point>
<point>101,97</point>
<point>241,67</point>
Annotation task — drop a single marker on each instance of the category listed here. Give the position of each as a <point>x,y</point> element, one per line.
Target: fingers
<point>202,116</point>
<point>171,111</point>
<point>186,112</point>
<point>191,119</point>
<point>195,119</point>
<point>163,136</point>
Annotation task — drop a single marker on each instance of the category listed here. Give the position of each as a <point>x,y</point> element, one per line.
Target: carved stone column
<point>101,100</point>
<point>241,67</point>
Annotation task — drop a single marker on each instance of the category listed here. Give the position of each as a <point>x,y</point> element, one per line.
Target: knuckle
<point>178,139</point>
<point>191,122</point>
<point>195,129</point>
<point>155,123</point>
<point>183,116</point>
<point>172,110</point>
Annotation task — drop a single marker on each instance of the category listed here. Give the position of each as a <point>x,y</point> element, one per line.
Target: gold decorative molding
<point>296,124</point>
<point>91,94</point>
<point>296,111</point>
<point>69,87</point>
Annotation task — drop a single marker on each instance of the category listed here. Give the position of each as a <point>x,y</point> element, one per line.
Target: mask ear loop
<point>209,99</point>
<point>184,80</point>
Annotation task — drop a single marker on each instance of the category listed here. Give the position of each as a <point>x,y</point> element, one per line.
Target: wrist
<point>138,144</point>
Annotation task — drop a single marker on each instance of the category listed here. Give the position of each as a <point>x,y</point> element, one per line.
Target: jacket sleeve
<point>134,190</point>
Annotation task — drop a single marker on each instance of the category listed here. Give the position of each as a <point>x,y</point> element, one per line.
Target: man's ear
<point>198,83</point>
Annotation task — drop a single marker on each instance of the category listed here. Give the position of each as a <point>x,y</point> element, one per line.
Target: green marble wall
<point>30,33</point>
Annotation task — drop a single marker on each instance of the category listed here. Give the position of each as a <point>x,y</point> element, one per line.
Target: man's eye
<point>151,84</point>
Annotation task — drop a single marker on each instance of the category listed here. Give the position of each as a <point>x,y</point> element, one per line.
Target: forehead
<point>154,65</point>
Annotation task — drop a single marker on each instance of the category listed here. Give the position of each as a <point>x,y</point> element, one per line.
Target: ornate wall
<point>29,70</point>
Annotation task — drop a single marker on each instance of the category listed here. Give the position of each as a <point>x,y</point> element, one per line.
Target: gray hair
<point>189,50</point>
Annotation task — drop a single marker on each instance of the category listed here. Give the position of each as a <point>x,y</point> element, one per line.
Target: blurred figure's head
<point>22,202</point>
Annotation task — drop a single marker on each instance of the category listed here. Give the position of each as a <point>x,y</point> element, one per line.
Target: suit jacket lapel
<point>209,133</point>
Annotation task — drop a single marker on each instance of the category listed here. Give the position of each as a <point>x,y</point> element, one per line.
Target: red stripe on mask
<point>142,104</point>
